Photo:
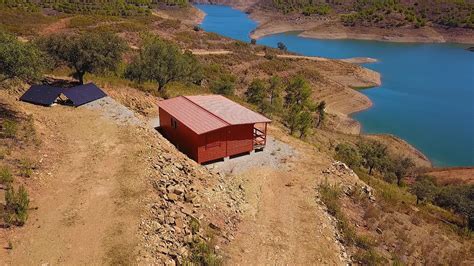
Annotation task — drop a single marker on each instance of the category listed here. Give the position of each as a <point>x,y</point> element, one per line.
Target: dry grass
<point>403,232</point>
<point>31,22</point>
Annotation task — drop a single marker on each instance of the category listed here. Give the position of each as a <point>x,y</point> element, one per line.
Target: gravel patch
<point>114,111</point>
<point>275,154</point>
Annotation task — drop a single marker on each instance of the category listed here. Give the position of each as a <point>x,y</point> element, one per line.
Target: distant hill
<point>384,13</point>
<point>96,7</point>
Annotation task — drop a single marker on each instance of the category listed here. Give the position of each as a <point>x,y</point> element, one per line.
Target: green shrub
<point>16,206</point>
<point>330,196</point>
<point>364,242</point>
<point>348,154</point>
<point>3,153</point>
<point>9,128</point>
<point>26,168</point>
<point>225,85</point>
<point>369,257</point>
<point>6,177</point>
<point>203,254</point>
<point>19,60</point>
<point>194,225</point>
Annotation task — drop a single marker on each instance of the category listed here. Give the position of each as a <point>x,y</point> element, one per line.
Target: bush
<point>3,153</point>
<point>9,128</point>
<point>26,168</point>
<point>16,206</point>
<point>348,155</point>
<point>369,257</point>
<point>203,254</point>
<point>19,60</point>
<point>197,28</point>
<point>6,177</point>
<point>225,85</point>
<point>330,196</point>
<point>253,41</point>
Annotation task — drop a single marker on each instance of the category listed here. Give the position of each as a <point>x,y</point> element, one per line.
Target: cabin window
<point>174,123</point>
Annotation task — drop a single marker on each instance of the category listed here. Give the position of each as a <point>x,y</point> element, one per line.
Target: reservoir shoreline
<point>359,102</point>
<point>396,107</point>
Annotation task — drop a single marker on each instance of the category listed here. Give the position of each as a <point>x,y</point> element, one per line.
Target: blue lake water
<point>427,95</point>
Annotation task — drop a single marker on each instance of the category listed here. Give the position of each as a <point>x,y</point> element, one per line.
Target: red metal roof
<point>190,114</point>
<point>231,112</point>
<point>206,113</point>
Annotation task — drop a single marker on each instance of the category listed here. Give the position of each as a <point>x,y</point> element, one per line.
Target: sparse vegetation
<point>387,13</point>
<point>330,195</point>
<point>110,8</point>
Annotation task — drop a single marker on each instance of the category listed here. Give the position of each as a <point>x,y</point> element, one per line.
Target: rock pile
<point>340,169</point>
<point>189,202</point>
<point>349,180</point>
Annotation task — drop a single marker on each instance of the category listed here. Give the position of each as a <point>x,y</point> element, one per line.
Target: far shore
<point>324,28</point>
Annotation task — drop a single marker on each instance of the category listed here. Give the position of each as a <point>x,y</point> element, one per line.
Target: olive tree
<point>374,154</point>
<point>19,60</point>
<point>163,62</point>
<point>401,167</point>
<point>423,188</point>
<point>86,53</point>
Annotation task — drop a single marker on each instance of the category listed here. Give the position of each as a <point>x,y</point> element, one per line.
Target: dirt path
<point>210,52</point>
<point>284,225</point>
<point>88,201</point>
<point>55,27</point>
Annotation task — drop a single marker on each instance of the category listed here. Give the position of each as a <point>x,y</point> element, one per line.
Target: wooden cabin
<point>211,127</point>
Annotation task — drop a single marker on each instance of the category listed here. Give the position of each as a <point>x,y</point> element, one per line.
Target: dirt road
<point>284,225</point>
<point>88,196</point>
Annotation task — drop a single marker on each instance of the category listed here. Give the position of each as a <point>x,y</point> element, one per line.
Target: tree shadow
<point>60,83</point>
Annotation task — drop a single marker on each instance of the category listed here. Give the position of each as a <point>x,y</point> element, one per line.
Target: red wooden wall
<point>217,144</point>
<point>183,137</point>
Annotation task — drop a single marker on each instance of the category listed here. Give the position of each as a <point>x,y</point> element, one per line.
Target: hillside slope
<point>94,191</point>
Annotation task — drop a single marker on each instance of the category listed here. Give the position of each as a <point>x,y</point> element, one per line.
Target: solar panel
<point>83,94</point>
<point>41,94</point>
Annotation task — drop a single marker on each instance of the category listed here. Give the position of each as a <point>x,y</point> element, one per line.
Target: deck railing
<point>259,138</point>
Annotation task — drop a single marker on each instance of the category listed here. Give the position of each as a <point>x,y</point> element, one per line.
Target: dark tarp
<point>41,94</point>
<point>82,94</point>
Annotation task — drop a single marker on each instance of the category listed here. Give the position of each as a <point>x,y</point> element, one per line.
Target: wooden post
<point>265,141</point>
